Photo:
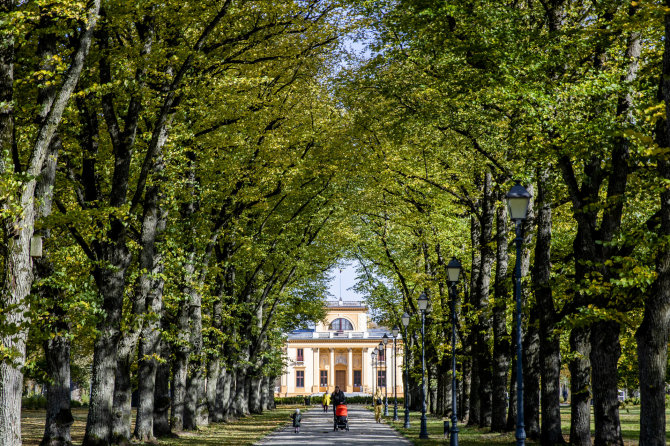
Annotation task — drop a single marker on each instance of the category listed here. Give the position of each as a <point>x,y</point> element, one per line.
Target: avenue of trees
<point>459,100</point>
<point>177,179</point>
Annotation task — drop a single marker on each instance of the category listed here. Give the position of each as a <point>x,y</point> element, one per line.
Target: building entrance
<point>341,379</point>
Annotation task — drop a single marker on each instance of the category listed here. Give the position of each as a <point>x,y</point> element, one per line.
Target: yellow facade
<point>338,352</point>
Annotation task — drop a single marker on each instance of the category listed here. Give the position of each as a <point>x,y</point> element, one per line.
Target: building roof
<point>357,304</point>
<point>372,333</point>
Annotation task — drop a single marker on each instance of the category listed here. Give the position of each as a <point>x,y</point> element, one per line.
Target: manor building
<point>338,353</point>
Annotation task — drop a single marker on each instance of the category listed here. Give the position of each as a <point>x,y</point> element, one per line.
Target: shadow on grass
<point>245,431</point>
<point>473,436</point>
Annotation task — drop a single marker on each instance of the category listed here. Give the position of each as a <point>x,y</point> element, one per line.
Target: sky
<point>347,279</point>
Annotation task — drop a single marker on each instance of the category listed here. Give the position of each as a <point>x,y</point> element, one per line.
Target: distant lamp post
<point>405,323</point>
<point>385,340</point>
<point>395,330</point>
<point>374,372</point>
<point>453,271</point>
<point>423,305</point>
<point>518,199</point>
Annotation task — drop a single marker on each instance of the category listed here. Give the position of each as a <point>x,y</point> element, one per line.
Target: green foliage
<point>34,402</point>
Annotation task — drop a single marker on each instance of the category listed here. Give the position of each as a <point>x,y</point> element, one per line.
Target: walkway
<point>317,429</point>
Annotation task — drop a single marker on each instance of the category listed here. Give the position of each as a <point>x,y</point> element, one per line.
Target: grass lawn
<point>245,431</point>
<point>471,436</point>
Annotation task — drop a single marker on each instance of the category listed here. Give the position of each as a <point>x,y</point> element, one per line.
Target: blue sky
<point>347,279</point>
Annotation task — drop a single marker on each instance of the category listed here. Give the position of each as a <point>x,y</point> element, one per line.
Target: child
<point>296,421</point>
<point>326,401</point>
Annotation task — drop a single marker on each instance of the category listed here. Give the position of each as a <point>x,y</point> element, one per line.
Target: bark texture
<point>151,291</point>
<point>580,393</point>
<point>605,353</point>
<point>501,338</point>
<point>483,339</point>
<point>550,361</point>
<point>18,268</point>
<point>531,375</point>
<point>653,333</point>
<point>161,415</point>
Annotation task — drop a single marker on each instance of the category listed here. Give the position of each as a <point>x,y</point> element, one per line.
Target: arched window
<point>340,324</point>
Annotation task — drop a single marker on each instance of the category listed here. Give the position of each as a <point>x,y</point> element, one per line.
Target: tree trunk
<point>59,416</point>
<point>123,391</point>
<point>483,339</point>
<point>240,403</point>
<point>580,375</point>
<point>161,397</point>
<point>111,283</point>
<point>222,397</point>
<point>149,297</point>
<point>511,406</point>
<point>464,408</point>
<point>18,273</point>
<point>652,335</point>
<point>7,56</point>
<point>255,384</point>
<point>605,353</point>
<point>550,361</point>
<point>473,406</point>
<point>213,381</point>
<point>150,340</point>
<point>178,387</point>
<point>531,376</point>
<point>270,386</point>
<point>265,396</point>
<point>196,397</point>
<point>231,389</point>
<point>57,348</point>
<point>501,344</point>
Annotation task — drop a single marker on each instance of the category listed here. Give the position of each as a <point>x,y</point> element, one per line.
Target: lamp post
<point>517,203</point>
<point>385,340</point>
<point>423,304</point>
<point>395,332</point>
<point>453,271</point>
<point>374,365</point>
<point>405,323</point>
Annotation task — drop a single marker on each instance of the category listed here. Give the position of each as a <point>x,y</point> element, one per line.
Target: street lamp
<point>382,348</point>
<point>374,365</point>
<point>385,340</point>
<point>395,330</point>
<point>423,304</point>
<point>453,271</point>
<point>518,199</point>
<point>405,322</point>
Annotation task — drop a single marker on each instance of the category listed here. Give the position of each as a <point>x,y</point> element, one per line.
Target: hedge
<point>318,399</point>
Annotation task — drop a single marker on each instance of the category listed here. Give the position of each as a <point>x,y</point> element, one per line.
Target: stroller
<point>341,418</point>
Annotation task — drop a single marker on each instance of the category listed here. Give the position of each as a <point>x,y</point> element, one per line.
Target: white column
<point>331,371</point>
<point>364,368</point>
<point>398,369</point>
<point>315,366</point>
<point>283,389</point>
<point>350,372</point>
<point>401,369</point>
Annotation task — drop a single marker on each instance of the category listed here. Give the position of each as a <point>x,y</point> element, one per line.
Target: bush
<point>318,399</point>
<point>632,402</point>
<point>34,402</point>
<point>37,402</point>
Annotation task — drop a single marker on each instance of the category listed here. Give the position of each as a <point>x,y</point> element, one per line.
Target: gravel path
<point>317,429</point>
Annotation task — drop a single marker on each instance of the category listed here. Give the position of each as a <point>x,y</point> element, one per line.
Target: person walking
<point>378,403</point>
<point>337,398</point>
<point>326,401</point>
<point>296,417</point>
